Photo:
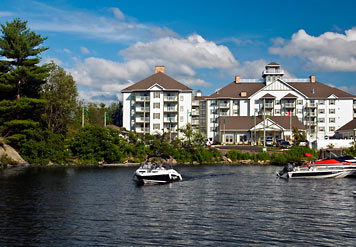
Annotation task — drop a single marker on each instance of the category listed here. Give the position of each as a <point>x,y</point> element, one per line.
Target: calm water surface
<point>212,206</point>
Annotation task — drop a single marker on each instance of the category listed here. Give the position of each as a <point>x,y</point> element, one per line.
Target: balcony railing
<point>170,108</point>
<point>195,113</point>
<point>311,114</point>
<point>272,71</point>
<point>141,130</point>
<point>170,98</point>
<point>142,109</point>
<point>224,105</point>
<point>142,119</point>
<point>311,105</point>
<point>195,103</point>
<point>269,105</point>
<point>224,113</point>
<point>289,105</point>
<point>195,122</point>
<point>142,98</point>
<point>170,119</point>
<point>311,122</point>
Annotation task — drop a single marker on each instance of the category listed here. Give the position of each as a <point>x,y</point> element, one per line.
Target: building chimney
<point>237,79</point>
<point>159,69</point>
<point>199,93</point>
<point>312,78</point>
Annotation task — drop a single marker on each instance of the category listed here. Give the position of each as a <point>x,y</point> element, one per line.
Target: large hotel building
<point>244,111</point>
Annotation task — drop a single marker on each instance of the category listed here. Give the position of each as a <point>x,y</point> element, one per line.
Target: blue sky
<point>108,45</point>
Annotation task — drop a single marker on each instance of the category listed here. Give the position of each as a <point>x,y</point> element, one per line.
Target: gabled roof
<point>318,90</point>
<point>268,96</point>
<point>349,126</point>
<point>273,63</point>
<point>159,78</point>
<point>289,96</point>
<point>247,122</point>
<point>233,90</point>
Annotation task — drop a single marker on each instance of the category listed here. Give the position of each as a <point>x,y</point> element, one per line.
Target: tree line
<point>42,118</point>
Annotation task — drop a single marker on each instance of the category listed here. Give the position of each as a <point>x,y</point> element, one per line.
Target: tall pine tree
<point>21,78</point>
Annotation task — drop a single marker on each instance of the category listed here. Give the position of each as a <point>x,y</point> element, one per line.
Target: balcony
<point>311,114</point>
<point>268,105</point>
<point>289,105</point>
<point>224,105</point>
<point>311,105</point>
<point>195,103</point>
<point>195,122</point>
<point>311,122</point>
<point>142,119</point>
<point>142,109</point>
<point>142,98</point>
<point>224,113</point>
<point>170,119</point>
<point>273,72</point>
<point>170,109</point>
<point>141,130</point>
<point>195,113</point>
<point>170,98</point>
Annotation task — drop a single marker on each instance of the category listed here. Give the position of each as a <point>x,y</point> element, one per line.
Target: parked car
<point>285,144</point>
<point>279,141</point>
<point>304,143</point>
<point>269,141</point>
<point>209,142</point>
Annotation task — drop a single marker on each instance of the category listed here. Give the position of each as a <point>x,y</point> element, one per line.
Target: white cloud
<point>118,13</point>
<point>193,51</point>
<point>67,51</point>
<point>330,51</point>
<point>84,50</point>
<point>6,13</point>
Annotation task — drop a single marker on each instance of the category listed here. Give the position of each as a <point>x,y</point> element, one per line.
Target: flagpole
<point>254,116</point>
<point>290,125</point>
<point>264,124</point>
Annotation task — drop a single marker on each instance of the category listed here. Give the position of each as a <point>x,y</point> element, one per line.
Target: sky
<point>110,44</point>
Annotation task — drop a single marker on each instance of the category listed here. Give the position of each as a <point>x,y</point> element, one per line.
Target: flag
<point>287,113</point>
<point>224,121</point>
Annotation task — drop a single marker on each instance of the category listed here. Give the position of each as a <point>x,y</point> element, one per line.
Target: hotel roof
<point>168,83</point>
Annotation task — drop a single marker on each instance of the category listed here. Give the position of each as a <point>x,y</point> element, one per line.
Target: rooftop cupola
<point>272,73</point>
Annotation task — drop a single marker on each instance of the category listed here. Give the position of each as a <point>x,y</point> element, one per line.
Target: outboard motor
<point>289,167</point>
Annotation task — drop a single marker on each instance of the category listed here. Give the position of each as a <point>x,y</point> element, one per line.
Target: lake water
<point>212,206</point>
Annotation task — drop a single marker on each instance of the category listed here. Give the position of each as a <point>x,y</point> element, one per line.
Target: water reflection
<point>213,205</point>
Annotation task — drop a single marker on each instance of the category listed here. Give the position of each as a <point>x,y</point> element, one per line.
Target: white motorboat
<point>156,173</point>
<point>314,171</point>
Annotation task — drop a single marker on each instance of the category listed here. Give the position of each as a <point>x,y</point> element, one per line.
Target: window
<point>235,112</point>
<point>181,108</point>
<point>331,120</point>
<point>236,102</point>
<point>156,127</point>
<point>278,102</point>
<point>321,111</point>
<point>321,128</point>
<point>299,111</point>
<point>156,116</point>
<point>181,118</point>
<point>331,102</point>
<point>332,111</point>
<point>181,98</point>
<point>277,111</point>
<point>321,102</point>
<point>300,102</point>
<point>257,101</point>
<point>331,128</point>
<point>156,105</point>
<point>156,95</point>
<point>321,120</point>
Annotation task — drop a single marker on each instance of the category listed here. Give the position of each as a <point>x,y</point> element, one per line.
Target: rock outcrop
<point>9,156</point>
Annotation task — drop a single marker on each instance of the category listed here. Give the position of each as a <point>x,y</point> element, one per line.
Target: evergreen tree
<point>21,79</point>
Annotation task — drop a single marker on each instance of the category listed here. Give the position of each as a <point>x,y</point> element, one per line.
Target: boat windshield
<point>150,166</point>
